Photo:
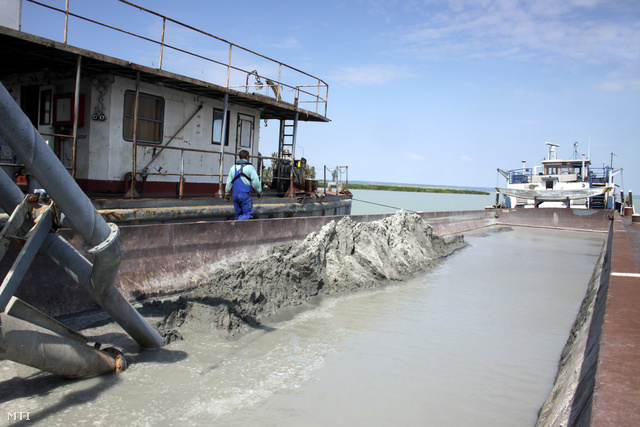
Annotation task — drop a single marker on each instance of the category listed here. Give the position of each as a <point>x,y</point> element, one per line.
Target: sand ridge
<point>342,256</point>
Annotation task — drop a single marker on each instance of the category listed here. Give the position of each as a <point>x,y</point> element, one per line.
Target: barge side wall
<point>161,259</point>
<point>570,400</point>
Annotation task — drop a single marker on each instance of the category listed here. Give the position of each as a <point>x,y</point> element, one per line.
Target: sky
<point>434,92</point>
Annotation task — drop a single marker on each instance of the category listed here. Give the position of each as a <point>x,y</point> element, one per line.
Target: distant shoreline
<point>412,188</point>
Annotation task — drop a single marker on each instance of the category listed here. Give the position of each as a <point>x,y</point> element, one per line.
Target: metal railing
<point>215,153</point>
<point>336,176</point>
<point>525,175</point>
<point>310,90</point>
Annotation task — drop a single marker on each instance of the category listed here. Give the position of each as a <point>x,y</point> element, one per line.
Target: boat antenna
<point>575,150</point>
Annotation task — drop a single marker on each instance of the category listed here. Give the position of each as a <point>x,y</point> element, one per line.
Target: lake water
<point>383,202</point>
<point>475,341</point>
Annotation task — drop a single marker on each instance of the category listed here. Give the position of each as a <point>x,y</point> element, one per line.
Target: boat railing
<point>599,176</point>
<point>278,80</point>
<point>219,155</point>
<point>525,175</point>
<point>520,176</point>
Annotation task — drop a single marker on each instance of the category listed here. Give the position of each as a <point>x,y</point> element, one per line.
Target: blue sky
<point>441,92</point>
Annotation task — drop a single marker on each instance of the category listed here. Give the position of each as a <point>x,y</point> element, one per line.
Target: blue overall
<point>242,196</point>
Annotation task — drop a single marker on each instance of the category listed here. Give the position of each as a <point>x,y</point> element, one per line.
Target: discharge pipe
<point>28,145</point>
<point>46,350</point>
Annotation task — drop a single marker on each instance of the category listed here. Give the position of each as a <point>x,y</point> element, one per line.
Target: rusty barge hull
<point>162,259</point>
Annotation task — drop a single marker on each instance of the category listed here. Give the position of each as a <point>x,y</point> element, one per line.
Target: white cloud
<point>466,159</point>
<point>370,74</point>
<point>624,79</point>
<point>414,156</point>
<point>587,31</point>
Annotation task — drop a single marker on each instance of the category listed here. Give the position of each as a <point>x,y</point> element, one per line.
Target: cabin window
<point>217,128</point>
<point>150,117</point>
<point>245,130</point>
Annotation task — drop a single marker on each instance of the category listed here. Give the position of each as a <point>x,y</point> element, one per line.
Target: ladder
<point>288,134</point>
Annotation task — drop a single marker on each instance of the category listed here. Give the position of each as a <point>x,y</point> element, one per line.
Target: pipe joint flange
<point>121,363</point>
<point>113,236</point>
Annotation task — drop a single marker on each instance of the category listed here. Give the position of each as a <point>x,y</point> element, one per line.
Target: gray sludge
<point>342,256</point>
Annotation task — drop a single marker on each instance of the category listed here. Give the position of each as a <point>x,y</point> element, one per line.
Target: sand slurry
<point>342,256</point>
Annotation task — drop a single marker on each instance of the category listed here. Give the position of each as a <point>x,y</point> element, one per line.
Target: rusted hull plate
<point>160,259</point>
<point>616,400</point>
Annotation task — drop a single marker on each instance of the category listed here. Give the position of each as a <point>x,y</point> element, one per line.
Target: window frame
<point>126,116</point>
<point>242,118</point>
<point>213,127</point>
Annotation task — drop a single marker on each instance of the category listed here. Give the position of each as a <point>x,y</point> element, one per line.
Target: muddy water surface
<point>475,341</point>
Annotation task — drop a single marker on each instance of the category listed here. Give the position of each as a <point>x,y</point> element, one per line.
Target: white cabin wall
<point>97,164</point>
<point>104,154</point>
<point>197,134</point>
<point>58,86</point>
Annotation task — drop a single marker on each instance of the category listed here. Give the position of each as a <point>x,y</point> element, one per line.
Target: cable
<point>386,206</point>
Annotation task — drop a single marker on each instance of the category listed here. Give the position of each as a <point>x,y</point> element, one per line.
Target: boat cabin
<point>126,128</point>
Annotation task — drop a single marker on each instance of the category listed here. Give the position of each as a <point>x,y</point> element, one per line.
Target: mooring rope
<point>386,206</point>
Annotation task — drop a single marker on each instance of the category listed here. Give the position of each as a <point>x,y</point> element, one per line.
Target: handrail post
<point>66,20</point>
<point>20,17</point>
<point>164,24</point>
<point>326,100</point>
<point>279,96</point>
<point>229,67</point>
<point>325,179</point>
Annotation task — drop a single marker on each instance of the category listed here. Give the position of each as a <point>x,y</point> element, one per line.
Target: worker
<point>242,177</point>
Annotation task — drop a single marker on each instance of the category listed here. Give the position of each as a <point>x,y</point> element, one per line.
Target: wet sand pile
<point>342,256</point>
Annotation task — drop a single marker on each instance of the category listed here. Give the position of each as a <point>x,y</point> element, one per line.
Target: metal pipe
<point>66,20</point>
<point>223,140</point>
<point>80,270</point>
<point>21,136</point>
<point>134,154</point>
<point>181,183</point>
<point>76,108</point>
<point>21,310</point>
<point>18,132</point>
<point>164,24</point>
<point>32,345</point>
<point>229,68</point>
<point>295,135</point>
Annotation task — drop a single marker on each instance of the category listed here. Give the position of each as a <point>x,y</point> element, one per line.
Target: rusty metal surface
<point>159,259</point>
<point>616,400</point>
